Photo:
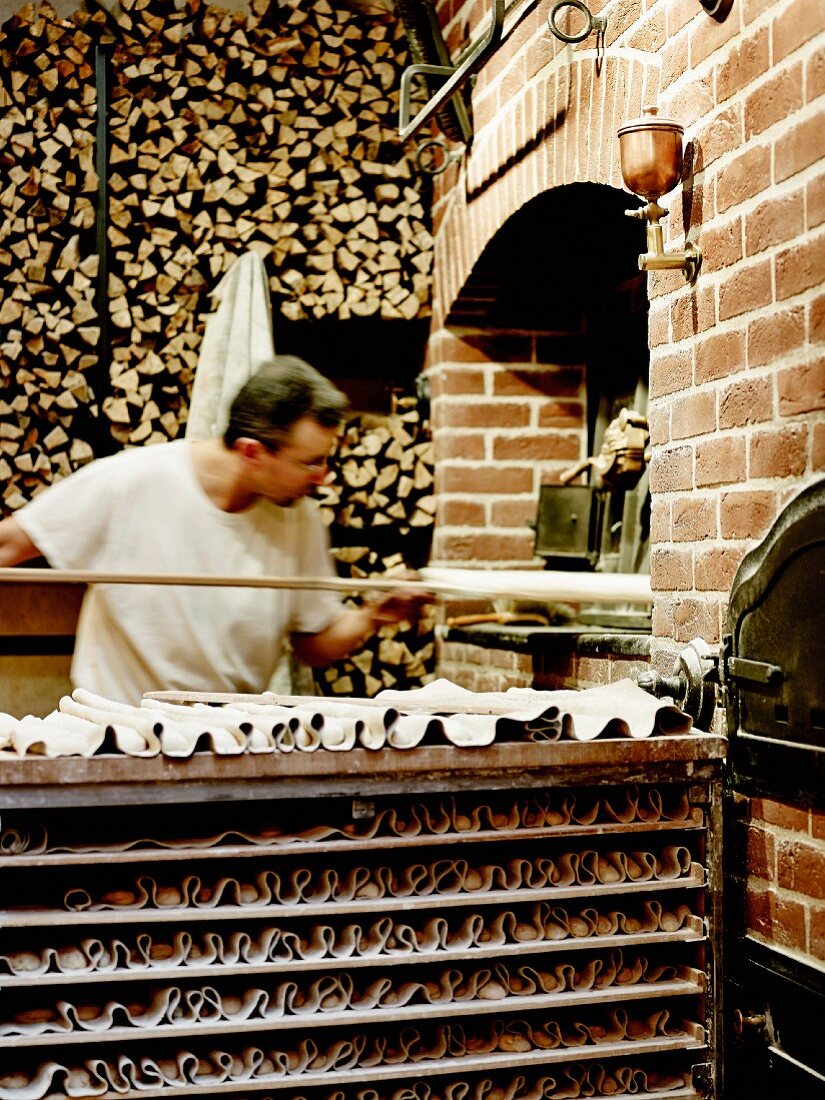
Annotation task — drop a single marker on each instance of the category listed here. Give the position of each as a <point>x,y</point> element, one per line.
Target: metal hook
<point>597,23</point>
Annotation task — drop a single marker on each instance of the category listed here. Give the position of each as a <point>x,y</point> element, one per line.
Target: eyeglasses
<point>317,467</point>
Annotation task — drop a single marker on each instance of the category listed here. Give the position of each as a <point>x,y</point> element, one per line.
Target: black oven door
<point>773,673</point>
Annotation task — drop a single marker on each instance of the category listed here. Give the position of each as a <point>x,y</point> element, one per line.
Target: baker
<point>238,505</point>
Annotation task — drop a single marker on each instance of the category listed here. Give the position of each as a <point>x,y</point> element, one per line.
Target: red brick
<point>800,147</point>
<point>722,133</point>
<point>485,479</point>
<point>716,568</point>
<point>679,14</point>
<point>779,814</point>
<point>817,825</point>
<point>749,401</point>
<point>775,221</point>
<point>694,101</point>
<point>761,854</point>
<point>513,513</point>
<point>657,326</point>
<point>694,519</point>
<point>816,323</point>
<point>816,945</point>
<point>670,373</point>
<point>708,36</point>
<point>660,525</point>
<point>743,177</point>
<point>456,380</point>
<point>461,513</point>
<point>745,63</point>
<point>801,868</point>
<point>745,289</point>
<point>773,101</point>
<point>694,618</point>
<point>720,461</point>
<point>747,514</point>
<point>778,453</point>
<point>754,8</point>
<point>459,445</point>
<point>481,414</point>
<point>694,414</point>
<point>721,244</point>
<point>650,34</point>
<point>540,447</point>
<point>772,336</point>
<point>800,267</point>
<point>719,355</point>
<point>818,447</point>
<point>775,918</point>
<point>671,570</point>
<point>561,414</point>
<point>671,471</point>
<point>541,382</point>
<point>481,348</point>
<point>797,24</point>
<point>486,547</point>
<point>815,76</point>
<point>802,388</point>
<point>815,201</point>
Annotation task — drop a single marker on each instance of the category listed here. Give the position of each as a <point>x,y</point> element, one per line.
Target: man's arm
<point>354,626</point>
<point>15,544</point>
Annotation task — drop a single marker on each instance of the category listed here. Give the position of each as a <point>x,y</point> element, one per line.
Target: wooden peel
<point>500,584</point>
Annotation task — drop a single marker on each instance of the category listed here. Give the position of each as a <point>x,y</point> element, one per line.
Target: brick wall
<point>785,850</point>
<point>737,365</point>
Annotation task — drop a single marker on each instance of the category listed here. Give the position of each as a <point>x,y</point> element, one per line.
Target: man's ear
<point>249,448</point>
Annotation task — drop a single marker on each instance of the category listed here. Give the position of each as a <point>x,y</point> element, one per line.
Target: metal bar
<point>693,932</point>
<point>460,75</point>
<point>510,584</point>
<point>407,1014</point>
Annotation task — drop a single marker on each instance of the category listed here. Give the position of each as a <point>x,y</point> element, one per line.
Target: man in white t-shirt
<point>237,505</point>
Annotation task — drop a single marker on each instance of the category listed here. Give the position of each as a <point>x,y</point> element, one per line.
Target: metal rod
<point>540,585</point>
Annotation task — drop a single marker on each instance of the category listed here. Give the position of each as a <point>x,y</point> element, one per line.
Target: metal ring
<point>579,6</point>
<point>432,169</point>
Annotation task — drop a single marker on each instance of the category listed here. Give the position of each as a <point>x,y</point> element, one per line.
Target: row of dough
<point>406,1046</point>
<point>338,993</point>
<point>382,938</point>
<point>627,805</point>
<point>419,880</point>
<point>85,724</point>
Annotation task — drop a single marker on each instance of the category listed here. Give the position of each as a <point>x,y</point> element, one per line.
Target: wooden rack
<point>326,936</point>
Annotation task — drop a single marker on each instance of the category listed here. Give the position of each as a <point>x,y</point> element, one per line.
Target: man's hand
<point>399,606</point>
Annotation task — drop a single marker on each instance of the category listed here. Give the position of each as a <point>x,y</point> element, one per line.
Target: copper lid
<point>650,120</point>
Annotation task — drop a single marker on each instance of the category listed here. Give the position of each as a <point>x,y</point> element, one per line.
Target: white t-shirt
<point>144,510</point>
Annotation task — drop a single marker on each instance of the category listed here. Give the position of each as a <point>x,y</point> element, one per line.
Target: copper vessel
<point>650,149</point>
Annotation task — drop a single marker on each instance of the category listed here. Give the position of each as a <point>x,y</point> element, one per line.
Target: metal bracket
<point>455,79</point>
<point>597,23</point>
<point>693,683</point>
<point>434,156</point>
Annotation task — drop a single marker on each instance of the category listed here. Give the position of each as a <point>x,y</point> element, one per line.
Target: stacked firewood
<point>272,129</point>
<point>49,323</point>
<point>380,509</point>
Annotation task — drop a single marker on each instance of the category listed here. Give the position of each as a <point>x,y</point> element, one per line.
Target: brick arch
<point>559,129</point>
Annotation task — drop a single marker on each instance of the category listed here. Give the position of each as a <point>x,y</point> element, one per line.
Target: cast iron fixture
<point>597,23</point>
<point>651,156</point>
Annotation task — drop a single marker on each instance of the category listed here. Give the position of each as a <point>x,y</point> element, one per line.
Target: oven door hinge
<point>702,1077</point>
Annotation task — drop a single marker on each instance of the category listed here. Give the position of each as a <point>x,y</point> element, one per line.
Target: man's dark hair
<point>280,393</point>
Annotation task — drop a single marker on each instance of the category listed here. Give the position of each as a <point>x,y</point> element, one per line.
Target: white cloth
<point>144,511</point>
<point>236,343</point>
